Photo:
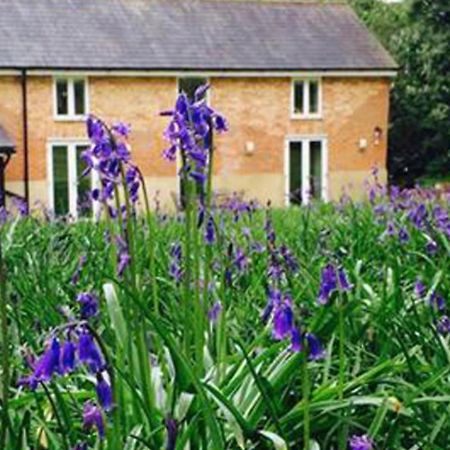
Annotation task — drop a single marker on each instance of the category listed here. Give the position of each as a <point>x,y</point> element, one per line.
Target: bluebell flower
<point>104,393</point>
<point>93,417</point>
<point>420,289</point>
<point>214,312</point>
<point>431,247</point>
<point>344,284</point>
<point>68,357</point>
<point>49,363</point>
<point>210,232</point>
<point>403,235</point>
<point>121,129</point>
<point>283,319</point>
<point>444,325</point>
<point>363,442</point>
<point>172,433</point>
<point>296,340</point>
<point>88,303</point>
<point>240,260</point>
<point>316,351</point>
<point>89,353</point>
<point>175,269</point>
<point>328,284</point>
<point>437,301</point>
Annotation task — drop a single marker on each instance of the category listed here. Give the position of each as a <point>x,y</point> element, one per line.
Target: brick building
<point>305,88</point>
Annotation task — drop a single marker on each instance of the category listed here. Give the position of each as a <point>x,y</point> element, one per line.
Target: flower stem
<point>306,393</point>
<point>341,379</point>
<point>5,352</point>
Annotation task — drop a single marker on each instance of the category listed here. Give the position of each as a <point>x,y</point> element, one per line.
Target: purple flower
<point>76,275</point>
<point>444,325</point>
<point>49,362</point>
<point>296,340</point>
<point>283,319</point>
<point>104,393</point>
<point>122,129</point>
<point>210,232</point>
<point>172,433</point>
<point>328,284</point>
<point>431,247</point>
<point>343,282</point>
<point>214,312</point>
<point>437,301</point>
<point>403,236</point>
<point>274,298</point>
<point>188,133</point>
<point>363,442</point>
<point>240,260</point>
<point>89,304</point>
<point>419,289</point>
<point>124,260</point>
<point>89,353</point>
<point>289,259</point>
<point>68,357</point>
<point>316,351</point>
<point>93,417</point>
<point>175,270</point>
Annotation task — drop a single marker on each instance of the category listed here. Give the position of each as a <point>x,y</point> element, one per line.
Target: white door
<point>306,170</point>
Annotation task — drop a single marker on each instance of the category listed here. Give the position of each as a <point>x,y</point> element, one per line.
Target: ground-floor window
<point>306,169</point>
<point>69,192</point>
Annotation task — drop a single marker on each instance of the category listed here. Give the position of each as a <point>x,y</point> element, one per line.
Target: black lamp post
<point>6,150</point>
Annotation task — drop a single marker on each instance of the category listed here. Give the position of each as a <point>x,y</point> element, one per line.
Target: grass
<point>228,384</point>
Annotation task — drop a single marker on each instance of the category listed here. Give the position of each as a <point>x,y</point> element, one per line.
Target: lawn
<point>228,325</point>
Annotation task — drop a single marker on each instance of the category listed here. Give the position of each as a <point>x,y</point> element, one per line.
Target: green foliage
<point>417,34</point>
<point>248,391</point>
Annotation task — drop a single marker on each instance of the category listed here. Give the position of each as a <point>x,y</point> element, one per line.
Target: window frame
<point>71,115</point>
<point>72,175</point>
<point>306,167</point>
<point>307,115</point>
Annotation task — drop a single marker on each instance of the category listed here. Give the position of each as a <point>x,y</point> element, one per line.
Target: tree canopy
<point>417,34</point>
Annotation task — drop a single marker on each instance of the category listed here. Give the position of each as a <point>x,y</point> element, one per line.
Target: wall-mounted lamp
<point>249,148</point>
<point>362,144</point>
<point>377,135</point>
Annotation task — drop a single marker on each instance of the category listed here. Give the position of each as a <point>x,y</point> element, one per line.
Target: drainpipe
<point>26,175</point>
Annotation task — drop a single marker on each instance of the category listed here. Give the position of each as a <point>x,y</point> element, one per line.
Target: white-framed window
<point>70,98</point>
<point>306,169</point>
<point>306,98</point>
<point>69,192</point>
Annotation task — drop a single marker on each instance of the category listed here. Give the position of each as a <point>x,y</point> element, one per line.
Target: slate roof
<point>5,141</point>
<point>185,35</point>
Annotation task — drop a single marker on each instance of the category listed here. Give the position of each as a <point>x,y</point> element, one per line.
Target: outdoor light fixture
<point>6,151</point>
<point>249,147</point>
<point>377,135</point>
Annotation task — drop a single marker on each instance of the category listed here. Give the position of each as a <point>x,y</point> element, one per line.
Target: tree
<point>417,33</point>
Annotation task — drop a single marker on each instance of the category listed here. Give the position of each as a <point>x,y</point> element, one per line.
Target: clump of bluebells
<point>71,347</point>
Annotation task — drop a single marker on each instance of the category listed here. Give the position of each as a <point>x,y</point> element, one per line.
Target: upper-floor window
<point>70,98</point>
<point>307,99</point>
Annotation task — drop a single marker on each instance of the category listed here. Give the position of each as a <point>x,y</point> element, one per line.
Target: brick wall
<point>258,110</point>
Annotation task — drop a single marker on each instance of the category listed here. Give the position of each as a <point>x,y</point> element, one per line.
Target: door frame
<point>305,140</point>
<point>71,144</point>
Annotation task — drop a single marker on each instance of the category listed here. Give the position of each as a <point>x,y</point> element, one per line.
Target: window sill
<point>306,117</point>
<point>69,118</point>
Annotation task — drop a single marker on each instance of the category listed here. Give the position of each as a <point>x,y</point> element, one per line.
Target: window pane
<point>62,97</point>
<point>60,180</point>
<point>313,97</point>
<point>295,173</point>
<point>190,85</point>
<point>315,161</point>
<point>298,97</point>
<point>84,202</point>
<point>79,96</point>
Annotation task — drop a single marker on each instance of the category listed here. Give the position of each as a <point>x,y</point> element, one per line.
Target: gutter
<point>26,174</point>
